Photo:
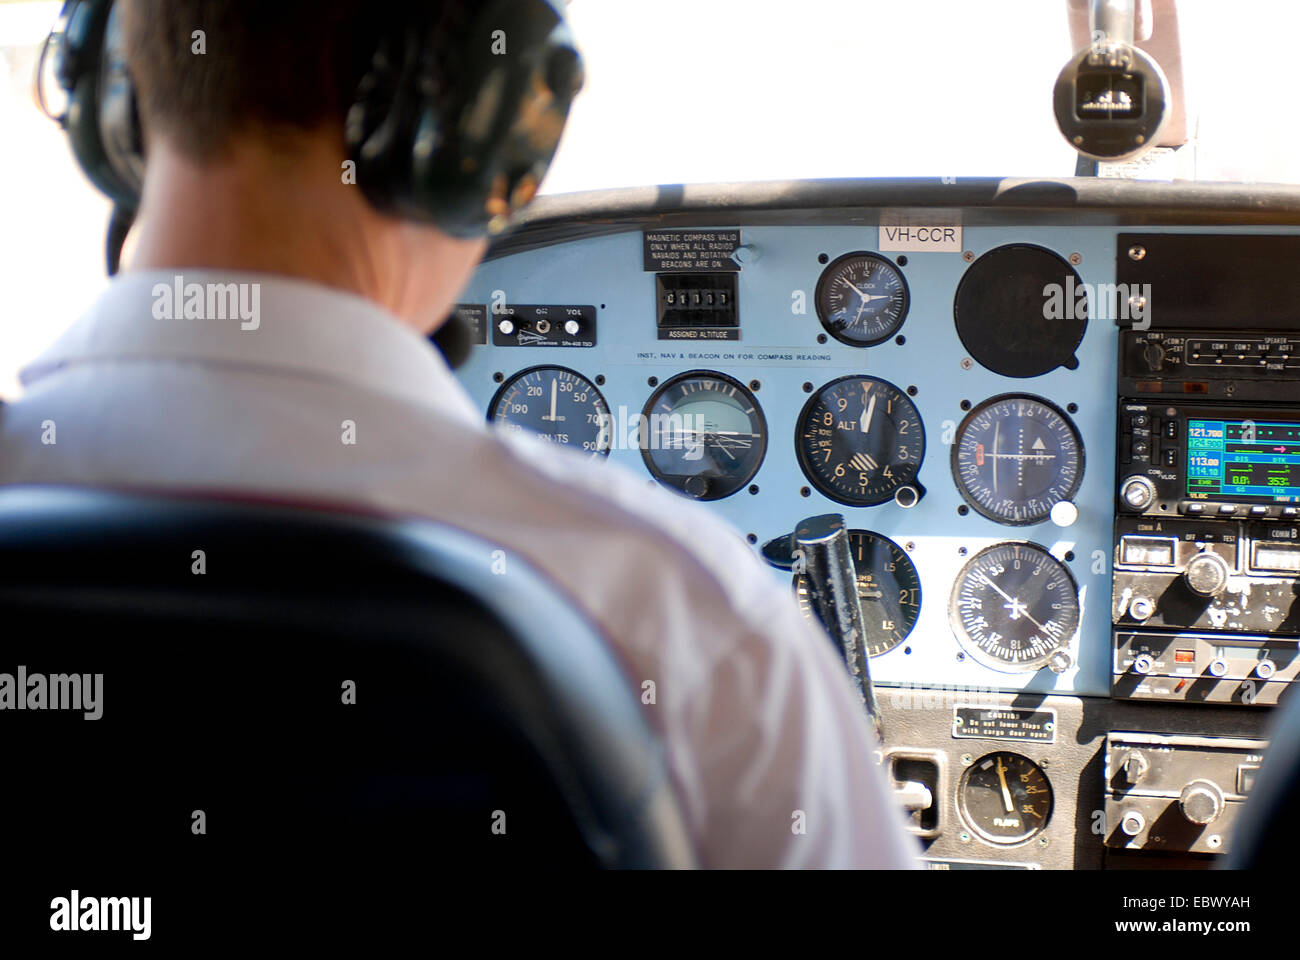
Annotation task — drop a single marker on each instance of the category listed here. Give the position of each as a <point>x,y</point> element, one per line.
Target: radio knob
<point>1154,355</point>
<point>1137,492</point>
<point>1142,608</point>
<point>1206,574</point>
<point>1143,663</point>
<point>1201,802</point>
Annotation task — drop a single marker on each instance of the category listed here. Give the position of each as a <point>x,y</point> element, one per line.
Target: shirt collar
<point>273,323</point>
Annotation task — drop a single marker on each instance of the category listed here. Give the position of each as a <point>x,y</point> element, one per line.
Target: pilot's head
<point>246,106</point>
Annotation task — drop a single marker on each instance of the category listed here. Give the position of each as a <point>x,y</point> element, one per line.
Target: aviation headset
<point>462,154</point>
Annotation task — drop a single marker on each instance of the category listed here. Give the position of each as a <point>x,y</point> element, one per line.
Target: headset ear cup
<point>465,158</point>
<point>378,129</point>
<point>101,120</point>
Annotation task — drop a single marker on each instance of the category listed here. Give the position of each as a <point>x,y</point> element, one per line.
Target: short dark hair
<point>278,65</point>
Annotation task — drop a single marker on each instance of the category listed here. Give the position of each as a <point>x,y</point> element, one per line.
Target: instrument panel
<point>1073,516</point>
<point>846,386</point>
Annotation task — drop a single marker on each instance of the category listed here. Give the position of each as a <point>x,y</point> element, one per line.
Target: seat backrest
<point>283,678</point>
<point>1264,836</point>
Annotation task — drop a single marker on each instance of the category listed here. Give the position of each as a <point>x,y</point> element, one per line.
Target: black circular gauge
<point>1005,797</point>
<point>703,435</point>
<point>1020,311</point>
<point>1015,457</point>
<point>1013,606</point>
<point>860,441</point>
<point>556,405</point>
<point>888,586</point>
<point>861,299</point>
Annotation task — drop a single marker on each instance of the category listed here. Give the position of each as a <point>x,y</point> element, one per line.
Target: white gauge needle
<point>864,422</point>
<point>1017,608</point>
<point>551,417</point>
<point>864,296</point>
<point>1006,794</point>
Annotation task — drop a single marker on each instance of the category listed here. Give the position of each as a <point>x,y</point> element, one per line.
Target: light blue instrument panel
<point>778,353</point>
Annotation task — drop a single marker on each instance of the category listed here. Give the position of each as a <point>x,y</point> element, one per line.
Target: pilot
<point>322,387</point>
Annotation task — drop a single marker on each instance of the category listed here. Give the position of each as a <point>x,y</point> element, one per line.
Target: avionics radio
<point>1207,552</point>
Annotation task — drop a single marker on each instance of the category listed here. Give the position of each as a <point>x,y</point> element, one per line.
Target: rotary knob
<point>1142,608</point>
<point>1137,493</point>
<point>1154,355</point>
<point>1206,574</point>
<point>1201,802</point>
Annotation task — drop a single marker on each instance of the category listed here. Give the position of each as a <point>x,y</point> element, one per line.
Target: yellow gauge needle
<point>1006,794</point>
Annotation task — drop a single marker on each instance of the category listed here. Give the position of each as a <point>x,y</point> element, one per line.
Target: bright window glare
<point>52,220</point>
<point>694,91</point>
<point>691,91</point>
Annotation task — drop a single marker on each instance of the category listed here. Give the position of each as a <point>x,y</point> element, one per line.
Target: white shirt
<point>766,745</point>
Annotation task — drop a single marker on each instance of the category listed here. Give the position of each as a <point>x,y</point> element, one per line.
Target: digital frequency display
<point>1245,460</point>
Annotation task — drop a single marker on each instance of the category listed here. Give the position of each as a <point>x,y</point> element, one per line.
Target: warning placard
<point>682,251</point>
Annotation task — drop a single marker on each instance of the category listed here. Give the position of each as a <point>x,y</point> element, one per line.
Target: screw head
<point>968,256</point>
<point>1137,252</point>
<point>967,363</point>
<point>1076,259</point>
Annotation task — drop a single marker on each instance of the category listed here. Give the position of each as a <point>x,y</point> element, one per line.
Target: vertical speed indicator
<point>861,442</point>
<point>888,587</point>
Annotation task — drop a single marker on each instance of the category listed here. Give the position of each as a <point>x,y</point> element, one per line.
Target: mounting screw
<point>967,759</point>
<point>909,546</point>
<point>1137,252</point>
<point>1076,259</point>
<point>967,363</point>
<point>968,256</point>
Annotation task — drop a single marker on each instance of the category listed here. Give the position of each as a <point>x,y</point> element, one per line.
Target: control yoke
<point>819,550</point>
